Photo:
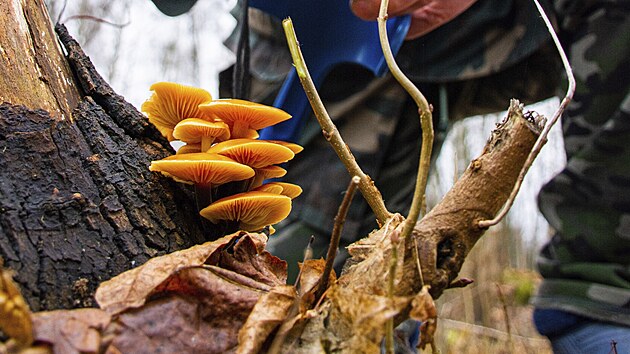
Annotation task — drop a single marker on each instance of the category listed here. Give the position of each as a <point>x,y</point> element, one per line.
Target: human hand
<point>426,15</point>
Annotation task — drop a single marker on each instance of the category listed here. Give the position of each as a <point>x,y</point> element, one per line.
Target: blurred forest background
<point>137,45</point>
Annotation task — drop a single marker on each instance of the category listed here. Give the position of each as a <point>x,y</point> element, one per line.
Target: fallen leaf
<point>195,310</point>
<point>131,288</point>
<point>244,256</point>
<point>15,316</point>
<point>270,312</point>
<point>311,272</point>
<point>71,331</point>
<point>423,309</point>
<point>363,318</point>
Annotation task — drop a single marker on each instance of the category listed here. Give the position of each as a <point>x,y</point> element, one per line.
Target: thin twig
<point>416,257</point>
<point>426,123</point>
<point>613,347</point>
<point>308,254</point>
<point>63,9</point>
<point>391,285</point>
<point>487,332</point>
<point>240,76</point>
<point>97,19</point>
<point>542,138</point>
<point>340,218</point>
<point>506,316</point>
<point>367,187</point>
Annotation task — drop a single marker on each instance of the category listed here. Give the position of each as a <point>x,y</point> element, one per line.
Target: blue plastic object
<point>329,34</point>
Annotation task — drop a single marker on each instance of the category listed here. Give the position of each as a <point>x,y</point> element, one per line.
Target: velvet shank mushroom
<point>293,146</point>
<point>258,154</point>
<point>253,153</point>
<point>189,149</point>
<point>202,168</point>
<point>289,189</point>
<point>251,210</point>
<point>264,173</point>
<point>243,117</point>
<point>195,130</point>
<point>170,103</point>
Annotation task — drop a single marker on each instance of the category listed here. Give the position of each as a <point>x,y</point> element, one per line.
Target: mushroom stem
<point>203,198</point>
<point>239,129</point>
<point>206,143</point>
<point>203,195</point>
<point>229,189</point>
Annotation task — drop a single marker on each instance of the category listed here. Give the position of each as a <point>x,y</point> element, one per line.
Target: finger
<point>434,15</point>
<point>369,9</point>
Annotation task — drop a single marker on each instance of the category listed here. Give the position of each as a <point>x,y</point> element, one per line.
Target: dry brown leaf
<point>71,331</point>
<point>205,305</point>
<point>363,317</point>
<point>311,272</point>
<point>270,311</point>
<point>131,289</point>
<point>423,309</point>
<point>371,260</point>
<point>15,316</point>
<point>195,310</point>
<point>244,256</point>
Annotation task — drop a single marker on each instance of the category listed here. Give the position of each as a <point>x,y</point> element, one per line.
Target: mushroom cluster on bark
<point>222,157</point>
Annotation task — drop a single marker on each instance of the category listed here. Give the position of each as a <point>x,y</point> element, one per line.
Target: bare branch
<point>426,123</point>
<point>336,234</point>
<point>371,194</point>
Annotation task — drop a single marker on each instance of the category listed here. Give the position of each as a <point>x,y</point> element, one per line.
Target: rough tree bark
<point>77,202</point>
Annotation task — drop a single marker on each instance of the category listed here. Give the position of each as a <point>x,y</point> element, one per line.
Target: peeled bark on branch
<point>449,231</point>
<point>443,237</point>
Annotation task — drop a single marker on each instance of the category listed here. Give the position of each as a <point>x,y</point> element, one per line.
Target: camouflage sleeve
<point>586,265</point>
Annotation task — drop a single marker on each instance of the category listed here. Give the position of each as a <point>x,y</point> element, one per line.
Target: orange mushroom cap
<point>293,146</point>
<point>269,188</point>
<point>253,210</point>
<point>253,153</point>
<point>195,130</point>
<point>171,102</point>
<point>192,130</point>
<point>243,116</point>
<point>264,173</point>
<point>289,189</point>
<point>189,148</point>
<point>202,168</point>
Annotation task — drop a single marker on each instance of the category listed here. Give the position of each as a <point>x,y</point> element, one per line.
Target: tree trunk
<point>78,204</point>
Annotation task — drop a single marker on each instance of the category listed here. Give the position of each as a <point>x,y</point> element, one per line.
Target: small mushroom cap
<point>253,153</point>
<point>269,188</point>
<point>191,130</point>
<point>264,173</point>
<point>271,172</point>
<point>253,210</point>
<point>202,168</point>
<point>189,149</point>
<point>289,189</point>
<point>171,102</point>
<point>293,146</point>
<point>249,115</point>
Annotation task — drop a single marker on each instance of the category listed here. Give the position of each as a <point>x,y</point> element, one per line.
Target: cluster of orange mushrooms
<point>222,156</point>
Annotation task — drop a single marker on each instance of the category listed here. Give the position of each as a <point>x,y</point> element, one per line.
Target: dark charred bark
<point>78,204</point>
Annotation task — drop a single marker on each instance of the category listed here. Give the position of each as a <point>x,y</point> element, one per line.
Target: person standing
<point>583,303</point>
